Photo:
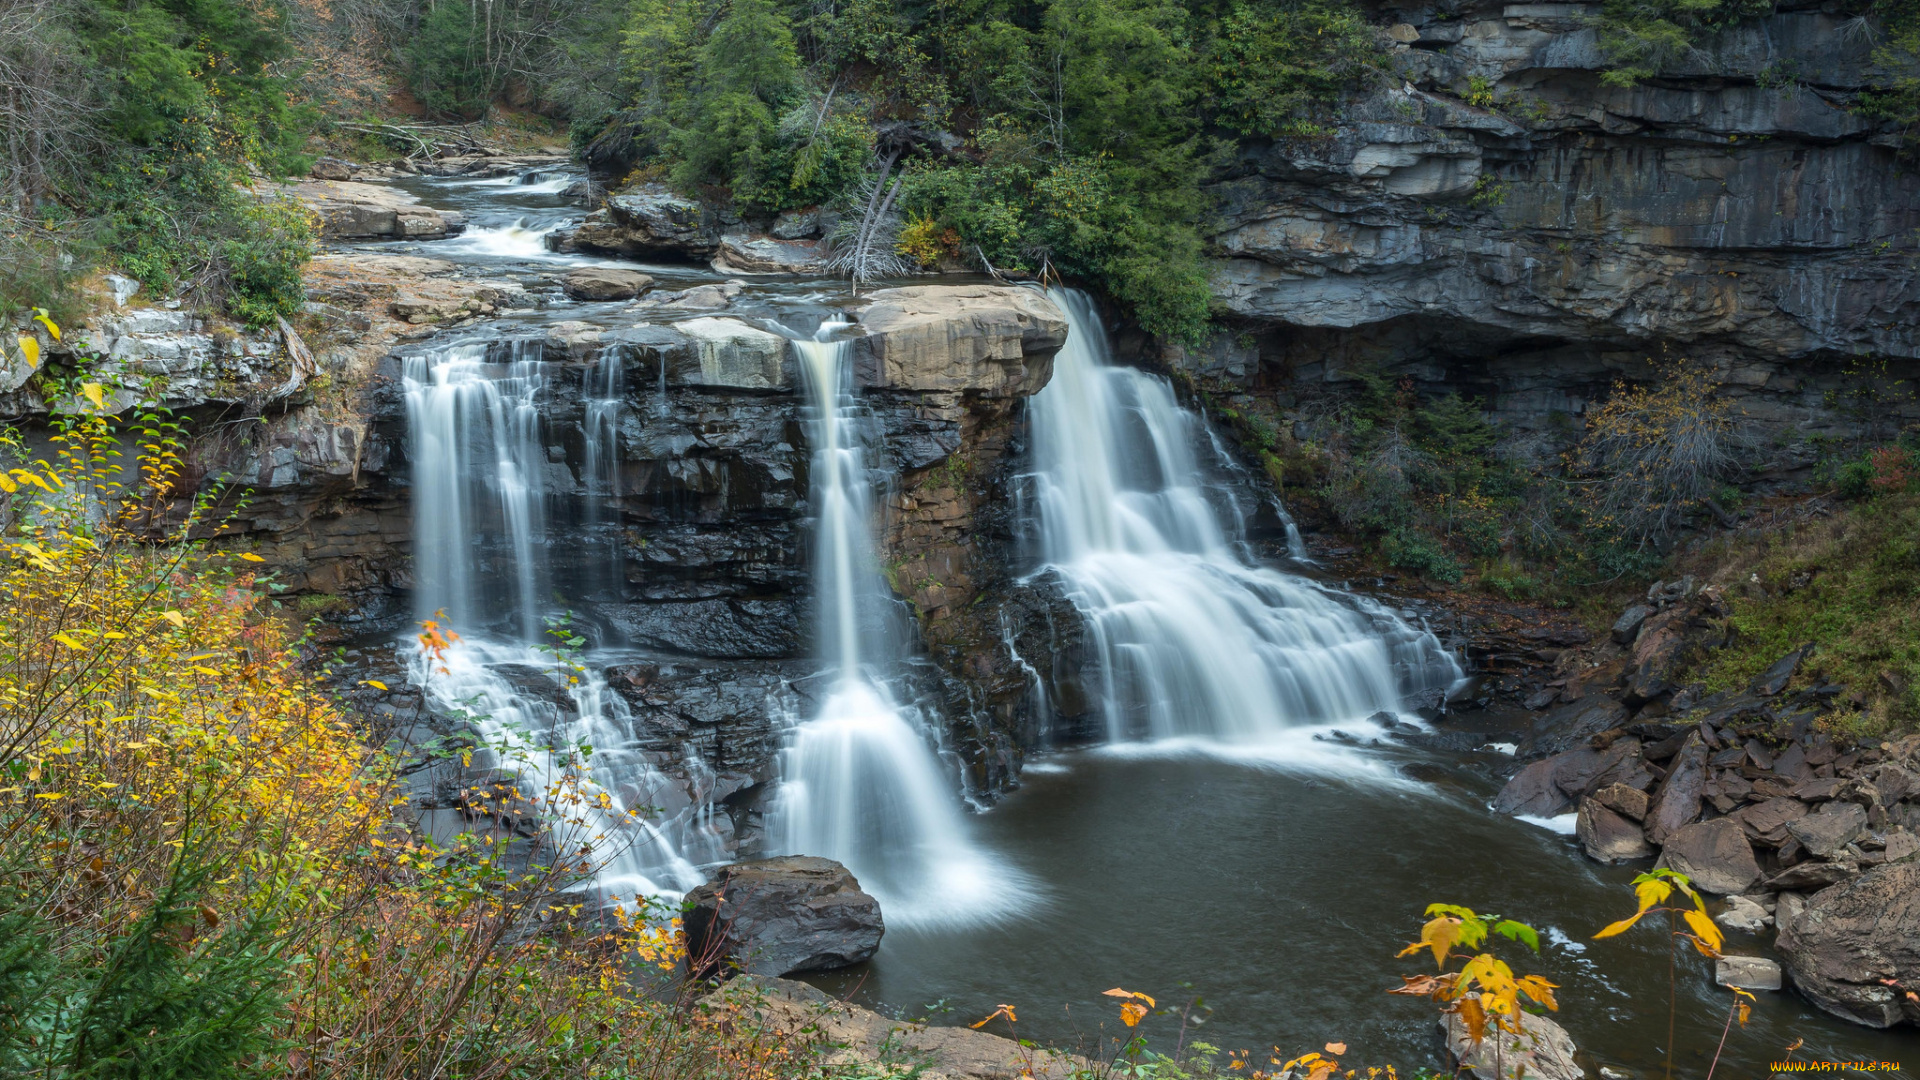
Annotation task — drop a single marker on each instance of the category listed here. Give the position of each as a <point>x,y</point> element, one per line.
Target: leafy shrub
<point>1279,69</point>
<point>1410,549</point>
<point>1639,37</point>
<point>1656,453</point>
<point>200,871</point>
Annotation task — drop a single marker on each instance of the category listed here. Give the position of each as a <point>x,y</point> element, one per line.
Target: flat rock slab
<point>1747,973</point>
<point>351,211</point>
<point>776,916</point>
<point>1829,829</point>
<point>996,341</point>
<point>851,1036</point>
<point>605,283</point>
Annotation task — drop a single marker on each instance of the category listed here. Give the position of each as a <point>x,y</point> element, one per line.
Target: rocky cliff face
<point>1564,233</point>
<point>699,558</point>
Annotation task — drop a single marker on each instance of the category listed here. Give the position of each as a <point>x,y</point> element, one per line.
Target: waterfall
<point>1195,643</point>
<point>605,386</point>
<point>860,781</point>
<point>479,456</point>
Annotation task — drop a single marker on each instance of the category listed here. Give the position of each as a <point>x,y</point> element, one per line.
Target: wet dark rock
<point>775,916</point>
<point>1627,626</point>
<point>1775,679</point>
<point>1715,854</point>
<point>1856,946</point>
<point>1829,829</point>
<point>1571,724</point>
<point>729,629</point>
<point>1609,837</point>
<point>1676,803</point>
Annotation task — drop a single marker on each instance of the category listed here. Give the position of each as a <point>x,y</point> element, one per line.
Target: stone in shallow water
<point>605,283</point>
<point>774,916</point>
<point>1609,837</point>
<point>1744,915</point>
<point>1747,973</point>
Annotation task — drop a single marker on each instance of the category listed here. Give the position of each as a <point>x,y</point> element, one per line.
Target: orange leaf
<point>1704,930</point>
<point>1336,1049</point>
<point>1620,927</point>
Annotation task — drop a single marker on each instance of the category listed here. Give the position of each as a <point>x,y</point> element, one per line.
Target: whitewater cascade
<point>860,781</point>
<point>1195,642</point>
<point>479,454</point>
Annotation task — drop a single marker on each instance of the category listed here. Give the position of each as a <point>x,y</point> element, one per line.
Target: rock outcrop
<point>650,222</point>
<point>778,916</point>
<point>989,340</point>
<point>1854,950</point>
<point>355,211</point>
<point>605,283</point>
<point>1532,247</point>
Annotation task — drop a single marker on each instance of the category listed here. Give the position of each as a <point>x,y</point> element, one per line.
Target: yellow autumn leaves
<point>1654,889</point>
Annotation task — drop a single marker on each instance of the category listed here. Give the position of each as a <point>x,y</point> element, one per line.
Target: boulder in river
<point>1854,950</point>
<point>766,255</point>
<point>1609,837</point>
<point>775,916</point>
<point>1715,854</point>
<point>1543,1051</point>
<point>605,283</point>
<point>350,211</point>
<point>997,341</point>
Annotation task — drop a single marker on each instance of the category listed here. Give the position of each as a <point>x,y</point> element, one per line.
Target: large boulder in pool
<point>991,340</point>
<point>1854,950</point>
<point>777,916</point>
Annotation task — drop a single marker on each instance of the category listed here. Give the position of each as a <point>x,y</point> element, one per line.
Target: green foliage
<point>184,99</point>
<point>1639,37</point>
<point>179,223</point>
<point>448,67</point>
<point>1276,69</point>
<point>1850,582</point>
<point>1410,549</point>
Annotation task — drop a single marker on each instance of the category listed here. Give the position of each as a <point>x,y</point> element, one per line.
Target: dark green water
<point>1281,897</point>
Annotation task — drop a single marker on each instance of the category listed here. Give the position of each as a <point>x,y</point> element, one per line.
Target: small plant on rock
<point>1484,992</point>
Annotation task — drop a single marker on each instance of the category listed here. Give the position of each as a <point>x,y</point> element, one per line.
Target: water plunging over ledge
<point>475,430</point>
<point>1196,645</point>
<point>860,781</point>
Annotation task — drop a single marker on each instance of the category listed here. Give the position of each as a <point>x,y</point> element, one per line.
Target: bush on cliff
<point>131,125</point>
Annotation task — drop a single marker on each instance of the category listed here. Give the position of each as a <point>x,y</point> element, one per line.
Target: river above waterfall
<point>1276,882</point>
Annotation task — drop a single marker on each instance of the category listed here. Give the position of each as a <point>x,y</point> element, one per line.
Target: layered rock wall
<point>1564,233</point>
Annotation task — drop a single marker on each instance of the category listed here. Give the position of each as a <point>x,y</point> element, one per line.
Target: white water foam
<point>1198,647</point>
<point>478,454</point>
<point>861,780</point>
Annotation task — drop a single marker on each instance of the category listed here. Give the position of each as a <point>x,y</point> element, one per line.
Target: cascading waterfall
<point>1196,644</point>
<point>605,385</point>
<point>479,454</point>
<point>859,781</point>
